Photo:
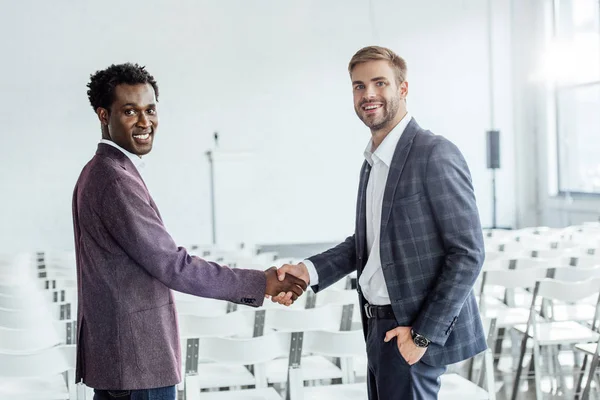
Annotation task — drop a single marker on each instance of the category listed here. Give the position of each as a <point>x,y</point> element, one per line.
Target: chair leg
<point>588,385</point>
<point>538,371</point>
<point>71,385</point>
<point>519,367</point>
<point>498,345</point>
<point>295,384</point>
<point>470,368</point>
<point>580,377</point>
<point>548,357</point>
<point>192,387</point>
<point>562,383</point>
<point>488,366</point>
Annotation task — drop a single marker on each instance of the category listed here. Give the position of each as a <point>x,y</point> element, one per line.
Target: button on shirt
<point>136,160</point>
<point>372,282</point>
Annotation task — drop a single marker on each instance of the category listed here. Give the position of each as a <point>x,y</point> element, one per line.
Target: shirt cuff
<point>312,272</point>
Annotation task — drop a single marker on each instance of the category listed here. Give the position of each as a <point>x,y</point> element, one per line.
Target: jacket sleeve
<point>137,228</point>
<point>335,263</point>
<point>450,193</point>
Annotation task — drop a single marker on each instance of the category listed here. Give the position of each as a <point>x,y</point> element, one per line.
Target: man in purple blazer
<point>127,263</point>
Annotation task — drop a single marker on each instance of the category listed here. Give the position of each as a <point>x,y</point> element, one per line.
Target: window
<point>574,65</point>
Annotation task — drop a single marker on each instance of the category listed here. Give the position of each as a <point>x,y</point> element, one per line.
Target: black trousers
<point>389,376</point>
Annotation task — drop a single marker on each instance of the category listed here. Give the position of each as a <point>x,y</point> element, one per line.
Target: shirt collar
<point>136,160</point>
<point>385,151</point>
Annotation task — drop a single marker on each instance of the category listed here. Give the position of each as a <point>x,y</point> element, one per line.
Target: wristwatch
<point>419,340</point>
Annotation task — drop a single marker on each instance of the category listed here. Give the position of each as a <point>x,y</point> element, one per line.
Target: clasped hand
<point>288,286</point>
<point>290,277</point>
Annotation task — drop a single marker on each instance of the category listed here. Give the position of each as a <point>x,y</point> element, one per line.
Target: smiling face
<point>132,119</point>
<point>379,100</point>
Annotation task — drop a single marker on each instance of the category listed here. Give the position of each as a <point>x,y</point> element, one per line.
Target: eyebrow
<point>378,78</point>
<point>135,105</point>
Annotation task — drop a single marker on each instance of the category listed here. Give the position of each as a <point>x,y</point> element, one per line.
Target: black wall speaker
<point>493,149</point>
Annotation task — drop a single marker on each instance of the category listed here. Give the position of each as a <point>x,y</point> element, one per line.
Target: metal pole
<point>494,226</point>
<point>491,64</point>
<point>209,155</point>
<point>491,99</point>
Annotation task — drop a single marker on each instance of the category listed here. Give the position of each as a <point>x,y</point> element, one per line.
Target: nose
<point>143,121</point>
<point>370,92</point>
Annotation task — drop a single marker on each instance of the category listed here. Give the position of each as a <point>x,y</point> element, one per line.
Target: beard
<point>389,110</point>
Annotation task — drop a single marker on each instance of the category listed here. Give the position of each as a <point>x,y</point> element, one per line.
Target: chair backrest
<point>514,262</point>
<point>301,320</point>
<point>575,274</point>
<point>586,260</point>
<point>514,278</point>
<point>239,323</point>
<point>245,351</point>
<point>553,289</point>
<point>32,318</point>
<point>48,362</point>
<point>335,344</point>
<point>336,297</point>
<point>19,341</point>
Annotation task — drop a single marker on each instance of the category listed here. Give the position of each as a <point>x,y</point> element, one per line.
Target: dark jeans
<point>164,393</point>
<point>389,376</point>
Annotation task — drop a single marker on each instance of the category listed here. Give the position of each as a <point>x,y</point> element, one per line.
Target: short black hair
<point>102,84</point>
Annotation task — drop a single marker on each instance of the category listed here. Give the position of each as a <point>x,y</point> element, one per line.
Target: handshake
<point>286,284</point>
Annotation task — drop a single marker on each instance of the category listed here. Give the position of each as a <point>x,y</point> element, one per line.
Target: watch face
<point>420,341</point>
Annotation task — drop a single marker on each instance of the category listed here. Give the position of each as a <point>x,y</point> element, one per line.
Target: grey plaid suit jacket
<point>431,246</point>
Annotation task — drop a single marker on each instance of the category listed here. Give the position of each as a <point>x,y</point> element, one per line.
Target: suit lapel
<point>400,155</point>
<point>361,207</point>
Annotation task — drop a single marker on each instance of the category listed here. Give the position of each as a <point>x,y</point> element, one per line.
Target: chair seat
<point>574,312</point>
<point>588,348</point>
<point>561,332</point>
<point>246,394</point>
<point>312,368</point>
<point>47,388</point>
<point>354,391</point>
<point>219,375</point>
<point>455,387</point>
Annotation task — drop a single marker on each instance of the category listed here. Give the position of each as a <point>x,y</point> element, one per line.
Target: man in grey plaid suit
<point>417,246</point>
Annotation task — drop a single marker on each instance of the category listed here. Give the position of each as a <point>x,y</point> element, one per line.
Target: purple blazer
<point>126,265</point>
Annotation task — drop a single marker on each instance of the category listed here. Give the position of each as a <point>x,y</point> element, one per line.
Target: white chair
<point>194,332</point>
<point>343,344</point>
<point>299,322</point>
<point>33,340</point>
<point>593,350</point>
<point>454,386</point>
<point>549,333</point>
<point>238,352</point>
<point>39,376</point>
<point>580,311</point>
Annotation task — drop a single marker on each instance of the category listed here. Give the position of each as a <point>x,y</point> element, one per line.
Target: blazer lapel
<point>400,155</point>
<point>361,222</point>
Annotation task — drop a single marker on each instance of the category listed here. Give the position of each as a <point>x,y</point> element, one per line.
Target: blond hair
<point>374,53</point>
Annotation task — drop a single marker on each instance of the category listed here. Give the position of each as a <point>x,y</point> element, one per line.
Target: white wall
<point>534,119</point>
<point>270,76</point>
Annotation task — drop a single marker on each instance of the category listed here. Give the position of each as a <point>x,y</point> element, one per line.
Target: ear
<point>102,115</point>
<point>403,89</point>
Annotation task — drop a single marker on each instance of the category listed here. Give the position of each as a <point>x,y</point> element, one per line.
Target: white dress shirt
<point>372,282</point>
<point>137,161</point>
